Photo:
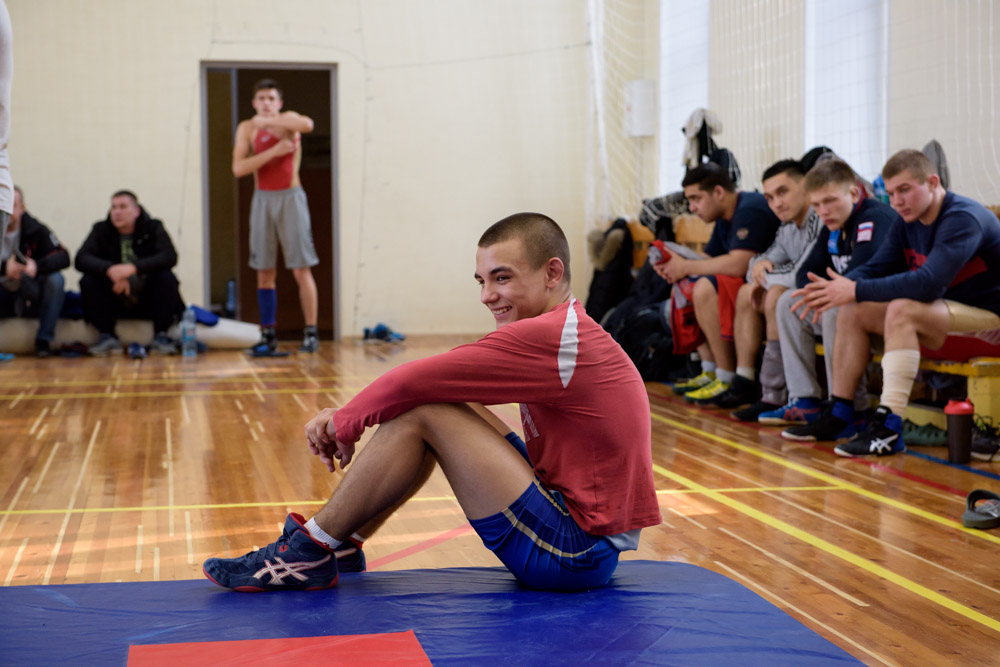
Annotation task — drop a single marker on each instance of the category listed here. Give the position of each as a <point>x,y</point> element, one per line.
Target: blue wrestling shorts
<point>543,547</point>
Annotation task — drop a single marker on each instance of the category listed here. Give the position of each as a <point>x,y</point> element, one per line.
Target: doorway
<point>227,89</point>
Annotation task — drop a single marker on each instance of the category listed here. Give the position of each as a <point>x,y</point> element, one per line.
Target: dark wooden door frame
<point>204,67</point>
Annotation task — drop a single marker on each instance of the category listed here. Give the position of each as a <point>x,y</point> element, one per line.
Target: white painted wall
<point>452,114</point>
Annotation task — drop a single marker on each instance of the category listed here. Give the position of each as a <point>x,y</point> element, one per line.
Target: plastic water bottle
<point>189,344</point>
<point>959,415</point>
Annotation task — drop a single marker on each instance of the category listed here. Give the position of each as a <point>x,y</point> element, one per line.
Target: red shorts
<point>727,288</point>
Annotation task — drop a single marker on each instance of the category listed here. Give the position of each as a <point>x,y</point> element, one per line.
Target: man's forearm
<point>290,120</point>
<point>727,265</point>
<point>248,165</point>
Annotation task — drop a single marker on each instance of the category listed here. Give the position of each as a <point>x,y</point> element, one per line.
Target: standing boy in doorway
<point>269,147</point>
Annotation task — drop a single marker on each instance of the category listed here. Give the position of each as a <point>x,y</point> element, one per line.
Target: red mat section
<point>391,648</point>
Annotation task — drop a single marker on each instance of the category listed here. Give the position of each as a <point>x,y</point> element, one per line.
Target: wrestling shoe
<point>797,411</point>
<point>106,344</point>
<point>751,412</point>
<point>707,394</point>
<point>136,351</point>
<point>697,382</point>
<point>985,440</point>
<point>350,557</point>
<point>883,437</point>
<point>294,562</point>
<point>836,422</point>
<point>742,391</point>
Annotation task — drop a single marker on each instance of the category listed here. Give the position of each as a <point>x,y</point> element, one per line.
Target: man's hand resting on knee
<point>322,438</point>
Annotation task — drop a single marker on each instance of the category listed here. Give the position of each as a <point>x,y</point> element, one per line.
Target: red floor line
<point>872,464</point>
<point>426,544</point>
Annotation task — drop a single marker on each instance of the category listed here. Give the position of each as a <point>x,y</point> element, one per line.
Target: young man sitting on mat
<point>556,510</point>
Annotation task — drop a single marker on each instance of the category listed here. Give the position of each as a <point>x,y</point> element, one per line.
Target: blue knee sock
<point>267,302</point>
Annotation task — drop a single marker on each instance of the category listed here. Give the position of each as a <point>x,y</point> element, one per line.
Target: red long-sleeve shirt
<point>584,410</point>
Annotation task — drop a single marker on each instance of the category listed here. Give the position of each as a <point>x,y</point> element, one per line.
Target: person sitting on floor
<point>744,226</point>
<point>31,281</point>
<point>126,263</point>
<point>938,273</point>
<point>556,508</point>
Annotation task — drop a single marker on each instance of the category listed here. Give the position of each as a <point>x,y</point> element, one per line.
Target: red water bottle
<point>959,414</point>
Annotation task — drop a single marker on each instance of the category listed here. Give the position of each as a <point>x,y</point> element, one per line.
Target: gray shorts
<point>281,216</point>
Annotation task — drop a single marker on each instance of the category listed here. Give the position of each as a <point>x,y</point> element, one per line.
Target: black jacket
<point>40,244</point>
<point>153,248</point>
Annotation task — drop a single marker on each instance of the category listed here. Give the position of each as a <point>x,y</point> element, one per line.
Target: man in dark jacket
<point>126,262</point>
<point>30,264</point>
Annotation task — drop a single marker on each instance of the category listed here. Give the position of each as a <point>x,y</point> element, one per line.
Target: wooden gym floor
<point>117,470</point>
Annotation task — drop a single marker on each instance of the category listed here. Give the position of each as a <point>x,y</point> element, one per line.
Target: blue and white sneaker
<point>797,411</point>
<point>295,562</point>
<point>136,351</point>
<point>883,437</point>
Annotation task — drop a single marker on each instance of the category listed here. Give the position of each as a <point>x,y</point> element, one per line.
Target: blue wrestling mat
<point>651,612</point>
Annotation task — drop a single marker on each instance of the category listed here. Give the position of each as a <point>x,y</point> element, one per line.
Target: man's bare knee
<point>927,321</point>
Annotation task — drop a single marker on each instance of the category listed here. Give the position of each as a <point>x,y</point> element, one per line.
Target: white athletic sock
<point>357,539</point>
<point>746,372</point>
<point>899,370</point>
<point>707,366</point>
<point>320,535</point>
<point>724,375</point>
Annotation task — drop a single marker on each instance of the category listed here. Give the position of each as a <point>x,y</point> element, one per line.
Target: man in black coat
<point>126,263</point>
<point>31,262</point>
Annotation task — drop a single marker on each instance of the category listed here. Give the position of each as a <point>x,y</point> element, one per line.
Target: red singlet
<point>276,174</point>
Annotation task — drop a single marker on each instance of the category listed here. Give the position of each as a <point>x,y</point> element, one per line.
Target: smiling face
<point>786,196</point>
<point>834,203</point>
<point>510,287</point>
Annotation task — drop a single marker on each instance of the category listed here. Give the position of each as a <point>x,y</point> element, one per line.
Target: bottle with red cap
<point>959,413</point>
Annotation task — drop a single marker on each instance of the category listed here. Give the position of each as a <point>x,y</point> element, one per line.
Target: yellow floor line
<point>747,489</point>
<point>834,550</point>
<point>830,479</point>
<point>153,508</point>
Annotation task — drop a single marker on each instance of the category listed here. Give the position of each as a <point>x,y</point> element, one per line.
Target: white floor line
<point>3,521</point>
<point>14,563</point>
<point>45,468</point>
<point>72,502</point>
<point>38,421</point>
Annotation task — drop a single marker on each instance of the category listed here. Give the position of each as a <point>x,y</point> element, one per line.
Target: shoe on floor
<point>266,348</point>
<point>883,437</point>
<point>697,382</point>
<point>295,561</point>
<point>136,351</point>
<point>42,349</point>
<point>835,422</point>
<point>796,411</point>
<point>742,391</point>
<point>751,412</point>
<point>707,394</point>
<point>105,345</point>
<point>163,344</point>
<point>985,440</point>
<point>310,344</point>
